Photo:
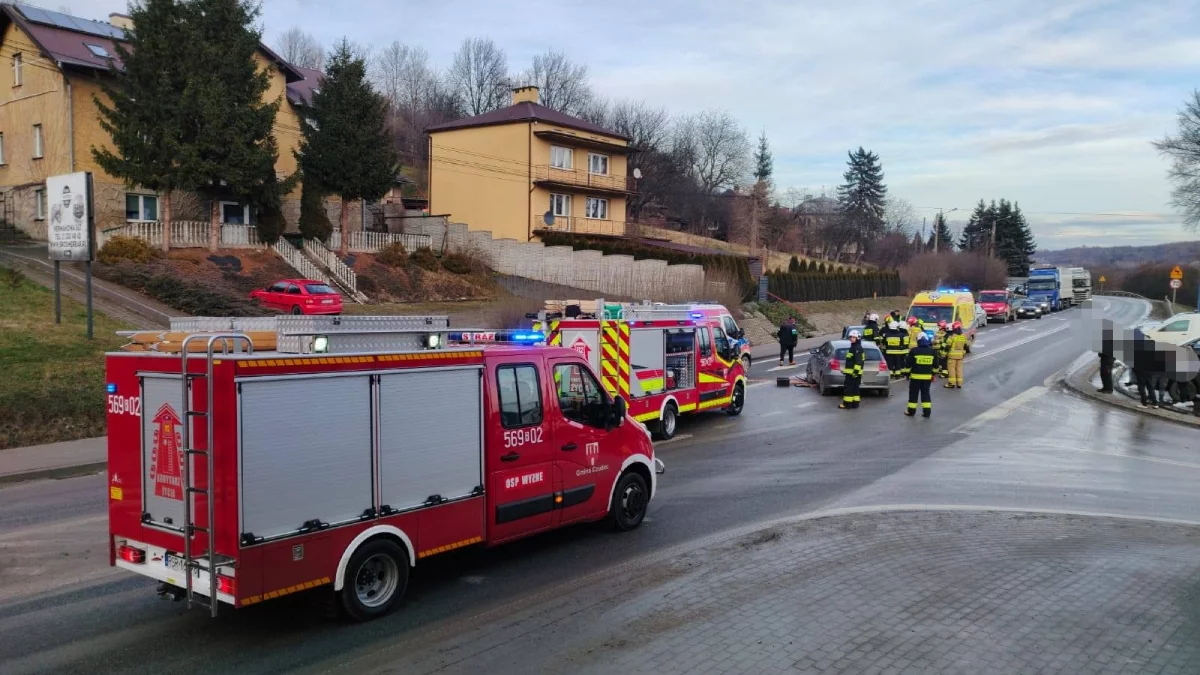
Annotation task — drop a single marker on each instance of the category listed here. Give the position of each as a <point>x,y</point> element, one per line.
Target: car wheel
<point>746,364</point>
<point>822,388</point>
<point>666,427</point>
<point>296,309</point>
<point>1039,316</point>
<point>737,402</point>
<point>376,578</point>
<point>808,375</point>
<point>629,502</point>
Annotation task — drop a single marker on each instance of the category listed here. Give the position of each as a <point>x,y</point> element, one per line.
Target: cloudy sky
<point>1051,103</point>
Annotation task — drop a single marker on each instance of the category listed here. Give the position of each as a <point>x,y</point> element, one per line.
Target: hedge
<point>814,286</point>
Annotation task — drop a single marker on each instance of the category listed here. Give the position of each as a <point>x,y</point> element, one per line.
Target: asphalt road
<point>1005,441</point>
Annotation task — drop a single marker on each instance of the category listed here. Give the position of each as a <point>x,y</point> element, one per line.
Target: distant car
<point>847,329</point>
<point>300,296</point>
<point>825,368</point>
<point>1029,309</point>
<point>981,317</point>
<point>1000,305</point>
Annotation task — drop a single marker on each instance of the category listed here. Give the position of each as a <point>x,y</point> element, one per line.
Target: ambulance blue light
<point>110,388</point>
<point>697,315</point>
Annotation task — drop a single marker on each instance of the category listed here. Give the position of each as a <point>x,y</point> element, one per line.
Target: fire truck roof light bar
<point>527,337</point>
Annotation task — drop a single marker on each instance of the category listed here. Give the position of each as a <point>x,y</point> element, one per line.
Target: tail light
<point>883,366</point>
<point>834,364</point>
<point>130,554</point>
<point>226,585</point>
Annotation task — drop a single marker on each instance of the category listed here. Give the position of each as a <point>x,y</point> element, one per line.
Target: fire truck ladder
<point>656,313</point>
<point>208,560</point>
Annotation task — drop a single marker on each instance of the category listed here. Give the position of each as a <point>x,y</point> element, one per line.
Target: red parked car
<point>999,305</point>
<point>300,296</point>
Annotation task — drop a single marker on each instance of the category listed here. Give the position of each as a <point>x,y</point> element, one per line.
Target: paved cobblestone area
<point>875,594</point>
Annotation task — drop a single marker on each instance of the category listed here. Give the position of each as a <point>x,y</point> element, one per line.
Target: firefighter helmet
<point>957,325</point>
<point>874,317</point>
<point>942,323</point>
<point>912,320</point>
<point>854,334</point>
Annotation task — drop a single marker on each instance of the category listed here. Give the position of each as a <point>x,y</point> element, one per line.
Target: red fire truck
<point>254,458</point>
<point>664,360</point>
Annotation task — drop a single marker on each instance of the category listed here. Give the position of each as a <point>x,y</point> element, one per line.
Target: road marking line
<point>680,437</point>
<point>979,345</point>
<point>806,405</point>
<point>999,412</point>
<point>757,384</point>
<point>771,414</point>
<point>1027,340</point>
<point>771,370</point>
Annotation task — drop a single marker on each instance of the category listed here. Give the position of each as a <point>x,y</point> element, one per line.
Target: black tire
<point>667,426</point>
<point>808,374</point>
<point>629,502</point>
<point>746,363</point>
<point>822,388</point>
<point>739,400</point>
<point>296,309</point>
<point>375,581</point>
<point>1039,316</point>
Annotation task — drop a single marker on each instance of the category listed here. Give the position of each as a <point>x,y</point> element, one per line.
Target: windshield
<point>872,353</point>
<point>1042,285</point>
<point>1081,283</point>
<point>992,297</point>
<point>319,289</point>
<point>932,313</point>
<point>1030,303</point>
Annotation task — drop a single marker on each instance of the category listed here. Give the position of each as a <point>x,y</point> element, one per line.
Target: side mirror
<point>614,410</point>
<point>813,351</point>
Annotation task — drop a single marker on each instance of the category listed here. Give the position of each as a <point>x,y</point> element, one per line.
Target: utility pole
<point>937,231</point>
<point>992,246</point>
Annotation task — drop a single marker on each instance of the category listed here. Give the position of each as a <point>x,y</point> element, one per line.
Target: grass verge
<point>51,377</point>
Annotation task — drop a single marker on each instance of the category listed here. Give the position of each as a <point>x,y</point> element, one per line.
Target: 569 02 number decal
<point>125,405</point>
<point>519,437</point>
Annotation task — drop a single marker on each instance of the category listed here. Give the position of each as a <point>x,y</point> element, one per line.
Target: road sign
<point>1102,279</point>
<point>1177,272</point>
<point>1176,283</point>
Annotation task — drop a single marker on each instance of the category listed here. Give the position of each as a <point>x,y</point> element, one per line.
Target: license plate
<point>326,302</point>
<point>173,562</point>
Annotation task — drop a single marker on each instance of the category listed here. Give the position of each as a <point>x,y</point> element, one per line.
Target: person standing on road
<point>1106,360</point>
<point>956,352</point>
<point>871,329</point>
<point>920,376</point>
<point>788,337</point>
<point>856,358</point>
<point>1143,368</point>
<point>939,347</point>
<point>894,349</point>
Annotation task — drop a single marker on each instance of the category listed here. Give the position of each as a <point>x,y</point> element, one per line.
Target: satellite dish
<point>637,173</point>
<point>548,218</point>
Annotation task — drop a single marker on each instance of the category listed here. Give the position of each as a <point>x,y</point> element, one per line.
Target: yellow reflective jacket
<point>957,346</point>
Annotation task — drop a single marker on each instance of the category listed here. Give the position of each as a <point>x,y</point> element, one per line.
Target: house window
<point>598,164</point>
<point>560,205</point>
<point>38,142</point>
<point>141,207</point>
<point>39,204</point>
<point>1,149</point>
<point>560,158</point>
<point>597,208</point>
<point>97,50</point>
<point>235,213</point>
<point>16,70</point>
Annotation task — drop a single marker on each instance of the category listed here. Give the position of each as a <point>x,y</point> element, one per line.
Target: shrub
<point>314,221</point>
<point>122,247</point>
<point>425,259</point>
<point>794,265</point>
<point>195,294</point>
<point>367,284</point>
<point>458,264</point>
<point>11,278</point>
<point>393,255</point>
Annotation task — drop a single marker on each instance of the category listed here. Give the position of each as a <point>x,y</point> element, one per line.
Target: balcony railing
<point>583,179</point>
<point>579,225</point>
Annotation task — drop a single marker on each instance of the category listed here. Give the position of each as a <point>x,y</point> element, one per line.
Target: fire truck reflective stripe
<point>507,513</point>
<point>687,407</point>
<point>646,417</point>
<point>716,402</point>
<point>271,595</point>
<point>711,379</point>
<point>449,547</point>
<point>652,383</point>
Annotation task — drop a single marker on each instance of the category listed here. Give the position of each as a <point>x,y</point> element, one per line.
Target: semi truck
<point>1081,285</point>
<point>1045,286</point>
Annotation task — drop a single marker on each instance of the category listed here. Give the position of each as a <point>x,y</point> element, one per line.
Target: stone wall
<point>611,276</point>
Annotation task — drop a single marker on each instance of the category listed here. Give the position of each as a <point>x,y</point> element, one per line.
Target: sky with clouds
<point>1052,104</point>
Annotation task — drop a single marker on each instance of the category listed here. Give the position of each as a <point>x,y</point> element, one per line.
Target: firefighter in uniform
<point>894,349</point>
<point>871,329</point>
<point>920,376</point>
<point>915,330</point>
<point>956,348</point>
<point>856,358</point>
<point>939,347</point>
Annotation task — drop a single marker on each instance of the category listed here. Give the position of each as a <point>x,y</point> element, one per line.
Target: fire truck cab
<point>665,360</point>
<point>254,458</point>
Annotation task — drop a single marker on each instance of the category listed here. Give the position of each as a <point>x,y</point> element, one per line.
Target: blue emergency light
<point>110,388</point>
<point>697,315</point>
<point>517,336</point>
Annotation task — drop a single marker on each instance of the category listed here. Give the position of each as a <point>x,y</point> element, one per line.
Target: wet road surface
<point>1006,440</point>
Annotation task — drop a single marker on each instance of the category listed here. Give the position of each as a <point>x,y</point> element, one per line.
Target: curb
<point>57,473</point>
<point>1081,384</point>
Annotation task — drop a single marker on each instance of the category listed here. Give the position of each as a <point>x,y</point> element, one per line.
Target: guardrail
<point>372,242</point>
<point>1121,294</point>
<point>340,271</point>
<point>184,234</point>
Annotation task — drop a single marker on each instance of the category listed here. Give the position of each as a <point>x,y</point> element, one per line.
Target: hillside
<point>1176,253</point>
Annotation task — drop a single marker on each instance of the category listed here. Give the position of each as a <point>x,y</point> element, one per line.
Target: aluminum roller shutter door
<point>306,452</point>
<point>429,436</point>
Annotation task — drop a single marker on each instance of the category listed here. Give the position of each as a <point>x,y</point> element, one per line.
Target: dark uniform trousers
<point>853,370</point>
<point>920,375</point>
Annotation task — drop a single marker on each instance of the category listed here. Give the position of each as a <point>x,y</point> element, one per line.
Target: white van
<point>1178,329</point>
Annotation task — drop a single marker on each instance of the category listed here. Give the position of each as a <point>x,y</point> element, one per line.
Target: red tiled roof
<point>524,112</point>
<point>300,92</point>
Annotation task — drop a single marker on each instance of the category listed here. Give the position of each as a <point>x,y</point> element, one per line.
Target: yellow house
<point>51,65</point>
<point>525,169</point>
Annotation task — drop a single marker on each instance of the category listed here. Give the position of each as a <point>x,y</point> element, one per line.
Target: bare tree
<point>403,75</point>
<point>899,215</point>
<point>562,84</point>
<point>301,49</point>
<point>1184,151</point>
<point>719,149</point>
<point>479,76</point>
<point>647,127</point>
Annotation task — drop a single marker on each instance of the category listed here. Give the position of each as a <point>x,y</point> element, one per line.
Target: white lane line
<point>979,345</point>
<point>680,437</point>
<point>806,405</point>
<point>771,414</point>
<point>771,370</point>
<point>1025,341</point>
<point>999,412</point>
<point>757,384</point>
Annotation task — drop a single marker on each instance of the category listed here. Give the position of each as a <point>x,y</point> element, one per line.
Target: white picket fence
<point>338,270</point>
<point>292,256</point>
<point>185,234</point>
<point>371,242</point>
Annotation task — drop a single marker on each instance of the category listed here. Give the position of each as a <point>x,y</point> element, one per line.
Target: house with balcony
<point>526,169</point>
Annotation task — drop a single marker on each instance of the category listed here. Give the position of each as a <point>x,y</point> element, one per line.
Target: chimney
<point>525,95</point>
<point>122,21</point>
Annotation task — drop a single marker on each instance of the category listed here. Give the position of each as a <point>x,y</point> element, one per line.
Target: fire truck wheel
<point>738,400</point>
<point>375,580</point>
<point>629,502</point>
<point>665,429</point>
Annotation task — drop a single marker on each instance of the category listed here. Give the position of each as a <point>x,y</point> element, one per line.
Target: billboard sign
<point>69,211</point>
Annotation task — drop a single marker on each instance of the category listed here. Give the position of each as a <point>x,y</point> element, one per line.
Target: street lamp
<point>935,228</point>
